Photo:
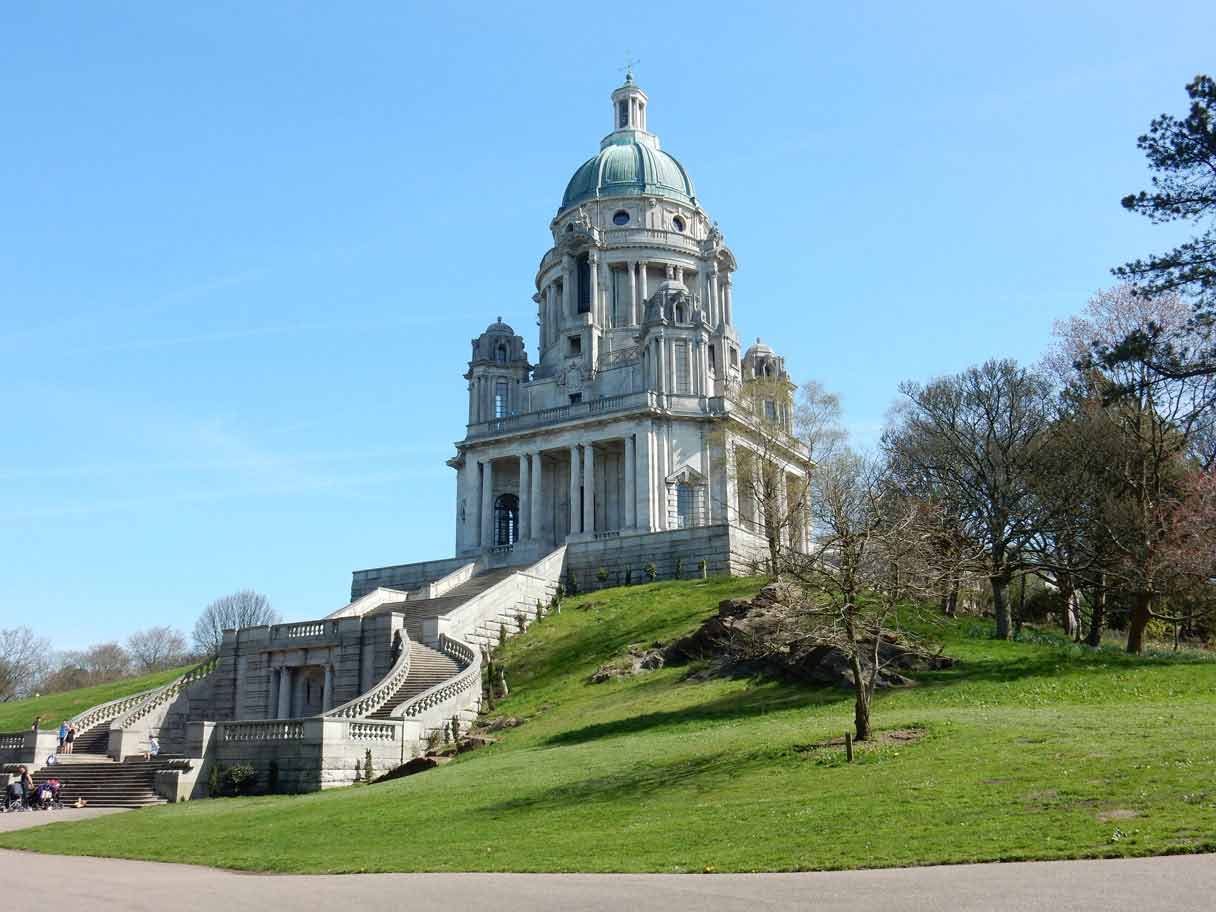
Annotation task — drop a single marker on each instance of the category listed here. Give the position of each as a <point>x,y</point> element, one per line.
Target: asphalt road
<point>1178,884</point>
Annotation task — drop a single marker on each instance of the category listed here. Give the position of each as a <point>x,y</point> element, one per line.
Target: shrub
<point>651,571</point>
<point>241,778</point>
<point>703,566</point>
<point>628,576</point>
<point>213,781</point>
<point>521,620</point>
<point>432,740</point>
<point>602,574</point>
<point>358,773</point>
<point>454,725</point>
<point>367,770</point>
<point>679,567</point>
<point>502,634</point>
<point>540,609</point>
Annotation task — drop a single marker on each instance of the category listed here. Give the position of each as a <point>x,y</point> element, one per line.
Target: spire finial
<point>630,63</point>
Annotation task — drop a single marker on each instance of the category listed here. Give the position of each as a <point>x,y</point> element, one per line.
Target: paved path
<point>1174,884</point>
<point>41,818</point>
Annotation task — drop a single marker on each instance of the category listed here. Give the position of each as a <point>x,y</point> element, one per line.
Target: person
<point>70,738</point>
<point>15,793</point>
<point>37,722</point>
<point>153,748</point>
<point>43,796</point>
<point>63,733</point>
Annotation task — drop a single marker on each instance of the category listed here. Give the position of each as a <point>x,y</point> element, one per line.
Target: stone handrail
<point>303,630</point>
<point>12,740</point>
<point>268,730</point>
<point>606,404</point>
<point>104,712</point>
<point>360,730</point>
<point>367,703</point>
<point>468,678</point>
<point>163,695</point>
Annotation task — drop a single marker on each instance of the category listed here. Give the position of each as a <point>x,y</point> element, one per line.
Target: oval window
<point>620,217</point>
<point>678,223</point>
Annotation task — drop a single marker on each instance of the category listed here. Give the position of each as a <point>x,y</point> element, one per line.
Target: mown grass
<point>54,708</point>
<point>1030,750</point>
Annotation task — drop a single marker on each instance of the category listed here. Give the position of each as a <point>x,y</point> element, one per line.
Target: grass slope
<point>1032,750</point>
<point>54,708</point>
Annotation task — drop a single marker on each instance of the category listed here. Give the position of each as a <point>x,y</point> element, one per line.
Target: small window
<point>734,357</point>
<point>620,217</point>
<point>500,354</point>
<point>574,345</point>
<point>683,373</point>
<point>678,223</point>
<point>713,360</point>
<point>570,228</point>
<point>770,409</point>
<point>576,398</point>
<point>622,115</point>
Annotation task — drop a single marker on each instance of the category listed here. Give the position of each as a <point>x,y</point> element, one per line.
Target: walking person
<point>63,734</point>
<point>71,737</point>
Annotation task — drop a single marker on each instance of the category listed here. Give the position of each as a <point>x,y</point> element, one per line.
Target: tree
<point>869,555</point>
<point>1183,153</point>
<point>974,438</point>
<point>232,612</point>
<point>157,648</point>
<point>1143,428</point>
<point>24,660</point>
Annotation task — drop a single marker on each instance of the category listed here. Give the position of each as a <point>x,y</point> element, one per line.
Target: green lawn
<point>54,708</point>
<point>1030,750</point>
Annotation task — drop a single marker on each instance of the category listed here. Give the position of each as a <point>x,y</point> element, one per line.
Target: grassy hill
<point>54,708</point>
<point>1029,750</point>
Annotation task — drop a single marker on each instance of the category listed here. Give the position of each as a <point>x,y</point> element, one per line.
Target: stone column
<point>272,690</point>
<point>593,280</point>
<point>569,306</point>
<point>631,496</point>
<point>327,692</point>
<point>575,514</point>
<point>525,499</point>
<point>487,504</point>
<point>588,488</point>
<point>641,479</point>
<point>727,308</point>
<point>642,288</point>
<point>536,529</point>
<point>715,304</point>
<point>284,693</point>
<point>634,311</point>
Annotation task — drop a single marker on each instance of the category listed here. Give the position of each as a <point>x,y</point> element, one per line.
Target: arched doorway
<point>506,520</point>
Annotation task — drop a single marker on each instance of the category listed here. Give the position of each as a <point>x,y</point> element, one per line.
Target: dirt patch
<point>879,739</point>
<point>1118,814</point>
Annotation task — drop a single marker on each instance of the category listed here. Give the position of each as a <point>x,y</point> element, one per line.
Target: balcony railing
<point>604,406</point>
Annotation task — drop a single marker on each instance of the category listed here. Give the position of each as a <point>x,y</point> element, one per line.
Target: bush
<point>679,567</point>
<point>703,566</point>
<point>628,576</point>
<point>651,571</point>
<point>540,609</point>
<point>367,766</point>
<point>240,779</point>
<point>521,621</point>
<point>213,781</point>
<point>602,574</point>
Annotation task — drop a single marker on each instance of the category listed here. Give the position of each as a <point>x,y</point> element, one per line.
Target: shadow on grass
<point>755,701</point>
<point>636,781</point>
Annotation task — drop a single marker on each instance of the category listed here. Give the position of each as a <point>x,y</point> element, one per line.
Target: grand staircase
<point>418,610</point>
<point>95,740</point>
<point>103,783</point>
<point>428,667</point>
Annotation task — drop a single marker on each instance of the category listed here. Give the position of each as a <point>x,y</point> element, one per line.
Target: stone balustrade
<point>604,405</point>
<point>367,703</point>
<point>265,730</point>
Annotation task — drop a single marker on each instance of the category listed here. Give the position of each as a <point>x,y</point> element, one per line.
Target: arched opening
<point>500,354</point>
<point>506,520</point>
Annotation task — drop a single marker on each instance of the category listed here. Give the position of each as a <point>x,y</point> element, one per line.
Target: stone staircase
<point>95,740</point>
<point>418,610</point>
<point>428,667</point>
<point>103,783</point>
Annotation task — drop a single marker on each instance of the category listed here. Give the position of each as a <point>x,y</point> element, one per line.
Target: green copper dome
<point>629,164</point>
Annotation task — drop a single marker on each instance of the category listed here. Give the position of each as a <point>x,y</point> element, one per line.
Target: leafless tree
<point>24,660</point>
<point>157,648</point>
<point>232,612</point>
<point>975,437</point>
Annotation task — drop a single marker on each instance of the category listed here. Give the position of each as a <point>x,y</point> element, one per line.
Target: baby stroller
<point>14,799</point>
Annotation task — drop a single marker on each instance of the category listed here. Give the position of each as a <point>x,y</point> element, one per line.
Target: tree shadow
<point>769,696</point>
<point>636,781</point>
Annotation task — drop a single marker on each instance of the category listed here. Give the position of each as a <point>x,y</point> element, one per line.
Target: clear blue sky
<point>243,247</point>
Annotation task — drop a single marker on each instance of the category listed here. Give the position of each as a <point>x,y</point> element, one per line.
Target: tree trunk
<point>1000,605</point>
<point>861,702</point>
<point>952,598</point>
<point>1067,618</point>
<point>1098,620</point>
<point>1141,614</point>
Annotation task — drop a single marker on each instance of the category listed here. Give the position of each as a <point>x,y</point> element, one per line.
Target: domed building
<point>626,422</point>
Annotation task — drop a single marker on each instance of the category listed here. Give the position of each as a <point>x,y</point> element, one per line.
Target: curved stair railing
<point>162,695</point>
<point>106,712</point>
<point>367,703</point>
<point>466,679</point>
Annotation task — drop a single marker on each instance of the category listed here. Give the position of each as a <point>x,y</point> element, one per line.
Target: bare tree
<point>24,660</point>
<point>232,612</point>
<point>157,648</point>
<point>870,555</point>
<point>975,438</point>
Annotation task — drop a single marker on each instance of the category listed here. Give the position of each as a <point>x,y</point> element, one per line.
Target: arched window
<point>506,520</point>
<point>500,354</point>
<point>501,388</point>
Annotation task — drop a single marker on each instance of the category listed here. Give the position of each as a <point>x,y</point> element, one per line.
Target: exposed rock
<point>636,659</point>
<point>410,767</point>
<point>502,722</point>
<point>740,620</point>
<point>473,742</point>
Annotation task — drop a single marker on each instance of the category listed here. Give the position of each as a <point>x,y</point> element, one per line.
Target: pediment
<point>687,475</point>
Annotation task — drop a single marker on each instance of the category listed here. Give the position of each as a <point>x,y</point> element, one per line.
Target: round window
<point>678,223</point>
<point>620,217</point>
